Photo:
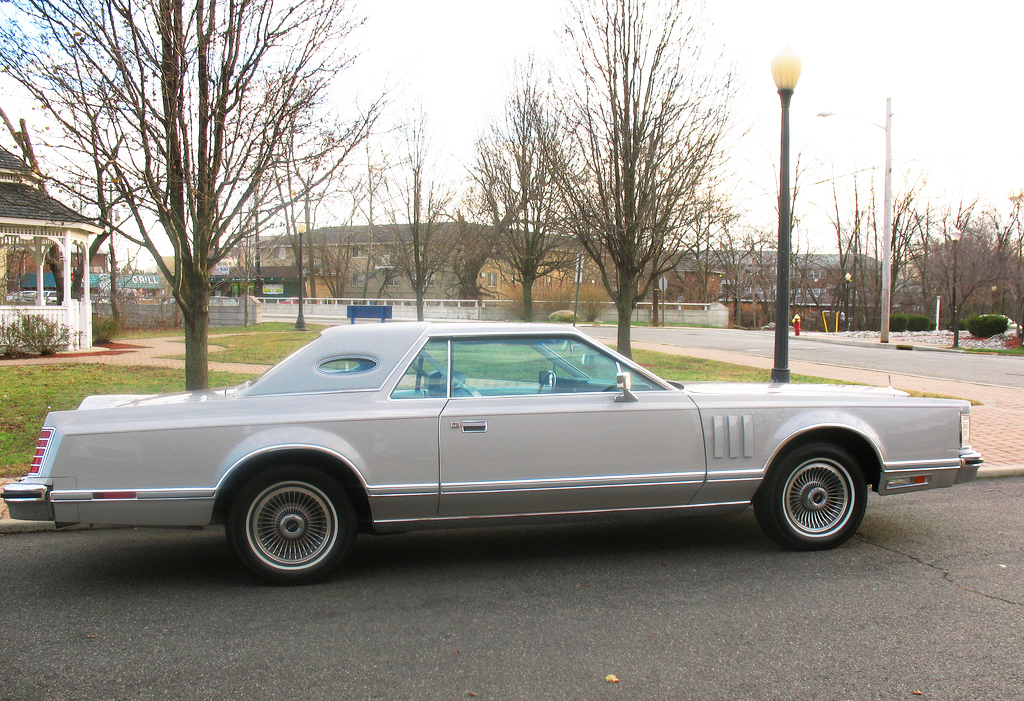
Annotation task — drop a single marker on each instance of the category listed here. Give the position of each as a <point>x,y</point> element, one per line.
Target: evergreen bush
<point>899,323</point>
<point>987,325</point>
<point>104,330</point>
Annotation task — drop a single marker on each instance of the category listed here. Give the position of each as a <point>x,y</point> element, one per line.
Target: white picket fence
<point>74,314</point>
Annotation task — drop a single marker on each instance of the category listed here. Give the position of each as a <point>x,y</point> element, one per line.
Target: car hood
<point>790,389</point>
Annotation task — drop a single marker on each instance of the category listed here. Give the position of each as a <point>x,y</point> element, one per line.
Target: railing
<point>76,312</point>
<point>463,303</point>
<point>332,309</point>
<point>51,313</point>
<point>345,301</point>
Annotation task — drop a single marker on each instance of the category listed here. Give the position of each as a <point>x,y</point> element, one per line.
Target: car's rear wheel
<point>292,525</point>
<point>813,499</point>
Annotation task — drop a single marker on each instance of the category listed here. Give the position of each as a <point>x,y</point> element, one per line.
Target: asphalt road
<point>1007,371</point>
<point>927,602</point>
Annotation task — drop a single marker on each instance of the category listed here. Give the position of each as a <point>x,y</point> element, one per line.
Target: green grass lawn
<point>29,391</point>
<point>259,348</point>
<point>683,368</point>
<point>269,326</point>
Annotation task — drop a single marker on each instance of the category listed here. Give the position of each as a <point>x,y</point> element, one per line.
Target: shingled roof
<point>8,161</point>
<point>20,200</point>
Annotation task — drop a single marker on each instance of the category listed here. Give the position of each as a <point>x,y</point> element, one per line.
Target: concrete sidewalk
<point>997,426</point>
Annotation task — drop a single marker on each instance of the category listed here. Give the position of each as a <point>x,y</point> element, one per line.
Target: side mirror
<point>624,383</point>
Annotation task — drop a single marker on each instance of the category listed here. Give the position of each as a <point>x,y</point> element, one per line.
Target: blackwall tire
<point>292,525</point>
<point>813,498</point>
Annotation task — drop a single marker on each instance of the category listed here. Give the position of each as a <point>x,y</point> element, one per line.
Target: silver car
<point>378,428</point>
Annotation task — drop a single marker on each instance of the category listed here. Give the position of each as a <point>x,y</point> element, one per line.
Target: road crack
<point>945,573</point>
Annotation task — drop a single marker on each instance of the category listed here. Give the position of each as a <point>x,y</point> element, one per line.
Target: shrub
<point>593,302</point>
<point>42,336</point>
<point>104,330</point>
<point>910,322</point>
<point>986,325</point>
<point>10,339</point>
<point>919,322</point>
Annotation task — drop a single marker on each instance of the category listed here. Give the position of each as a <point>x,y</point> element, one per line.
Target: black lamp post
<point>300,321</point>
<point>848,279</point>
<point>786,72</point>
<point>956,312</point>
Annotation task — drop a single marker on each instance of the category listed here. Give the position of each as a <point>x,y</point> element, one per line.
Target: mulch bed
<point>112,348</point>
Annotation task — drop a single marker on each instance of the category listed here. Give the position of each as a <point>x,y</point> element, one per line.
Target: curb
<point>11,525</point>
<point>923,347</point>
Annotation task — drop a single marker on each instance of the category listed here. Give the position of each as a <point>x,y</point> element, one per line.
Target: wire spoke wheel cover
<point>812,498</point>
<point>291,525</point>
<point>818,498</point>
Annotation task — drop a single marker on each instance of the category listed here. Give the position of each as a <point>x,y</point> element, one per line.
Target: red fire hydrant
<point>796,324</point>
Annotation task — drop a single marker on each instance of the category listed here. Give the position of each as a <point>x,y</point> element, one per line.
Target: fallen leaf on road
<point>611,679</point>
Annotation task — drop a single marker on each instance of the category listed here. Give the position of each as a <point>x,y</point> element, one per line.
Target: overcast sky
<point>952,69</point>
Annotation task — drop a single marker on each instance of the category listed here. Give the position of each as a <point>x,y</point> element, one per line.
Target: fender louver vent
<point>734,436</point>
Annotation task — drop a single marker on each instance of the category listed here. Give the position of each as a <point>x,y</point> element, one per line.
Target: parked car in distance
<point>29,297</point>
<point>378,428</point>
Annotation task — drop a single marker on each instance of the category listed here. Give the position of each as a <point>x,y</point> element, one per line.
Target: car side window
<point>427,375</point>
<point>517,366</point>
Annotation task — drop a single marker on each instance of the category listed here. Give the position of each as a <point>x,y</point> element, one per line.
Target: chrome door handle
<point>474,426</point>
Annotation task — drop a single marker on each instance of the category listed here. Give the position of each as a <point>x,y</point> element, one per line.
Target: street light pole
<point>848,278</point>
<point>887,224</point>
<point>786,72</point>
<point>300,321</point>
<point>956,312</point>
<point>886,221</point>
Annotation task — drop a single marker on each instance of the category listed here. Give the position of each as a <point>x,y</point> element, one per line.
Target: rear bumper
<point>969,464</point>
<point>28,501</point>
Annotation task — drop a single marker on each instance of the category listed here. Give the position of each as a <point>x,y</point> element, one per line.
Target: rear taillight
<point>41,447</point>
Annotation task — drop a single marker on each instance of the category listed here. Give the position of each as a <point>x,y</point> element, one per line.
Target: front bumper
<point>918,478</point>
<point>28,501</point>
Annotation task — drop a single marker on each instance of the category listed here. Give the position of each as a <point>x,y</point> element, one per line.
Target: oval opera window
<point>346,366</point>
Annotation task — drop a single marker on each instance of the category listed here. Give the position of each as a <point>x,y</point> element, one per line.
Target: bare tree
<point>474,245</point>
<point>1013,272</point>
<point>644,120</point>
<point>517,188</point>
<point>422,247</point>
<point>195,99</point>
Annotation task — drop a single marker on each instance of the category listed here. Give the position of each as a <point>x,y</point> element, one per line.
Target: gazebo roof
<point>8,161</point>
<point>22,201</point>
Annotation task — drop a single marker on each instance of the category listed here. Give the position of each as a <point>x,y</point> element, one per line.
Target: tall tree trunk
<point>115,309</point>
<point>528,297</point>
<point>624,305</point>
<point>197,330</point>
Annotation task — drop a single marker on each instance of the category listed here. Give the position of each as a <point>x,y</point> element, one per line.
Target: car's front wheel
<point>813,499</point>
<point>292,525</point>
